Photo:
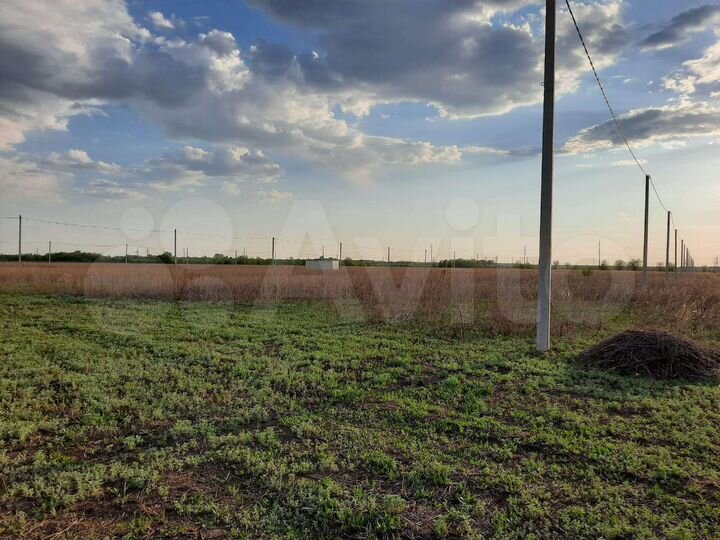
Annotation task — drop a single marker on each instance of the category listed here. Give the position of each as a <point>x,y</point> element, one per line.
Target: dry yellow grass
<point>504,299</point>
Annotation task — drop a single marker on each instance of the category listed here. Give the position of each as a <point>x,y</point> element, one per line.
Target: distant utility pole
<point>645,235</point>
<point>340,255</point>
<point>599,259</point>
<point>175,246</point>
<point>388,254</point>
<point>273,250</point>
<point>546,190</point>
<point>425,255</point>
<point>675,268</point>
<point>126,257</point>
<point>49,251</point>
<point>667,245</point>
<point>682,254</point>
<point>236,260</point>
<point>20,239</point>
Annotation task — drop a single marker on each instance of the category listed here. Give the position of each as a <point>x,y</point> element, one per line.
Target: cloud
<point>193,166</point>
<point>453,55</point>
<point>25,179</point>
<point>274,195</point>
<point>79,160</point>
<point>161,23</point>
<point>645,127</point>
<point>681,27</point>
<point>462,57</point>
<point>701,74</point>
<point>109,190</point>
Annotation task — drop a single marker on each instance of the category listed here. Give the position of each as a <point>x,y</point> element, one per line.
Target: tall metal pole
<point>546,189</point>
<point>20,239</point>
<point>645,234</point>
<point>675,268</point>
<point>388,254</point>
<point>599,259</point>
<point>126,248</point>
<point>175,246</point>
<point>49,251</point>
<point>667,245</point>
<point>273,250</point>
<point>340,255</point>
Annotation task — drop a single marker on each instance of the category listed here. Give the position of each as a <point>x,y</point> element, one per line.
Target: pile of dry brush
<point>656,354</point>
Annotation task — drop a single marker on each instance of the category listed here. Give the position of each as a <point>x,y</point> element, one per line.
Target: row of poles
<point>686,260</point>
<point>546,191</point>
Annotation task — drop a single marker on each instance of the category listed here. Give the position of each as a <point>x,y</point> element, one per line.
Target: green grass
<point>151,420</point>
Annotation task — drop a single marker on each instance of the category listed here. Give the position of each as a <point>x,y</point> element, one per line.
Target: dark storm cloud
<point>438,51</point>
<point>650,125</point>
<point>682,26</point>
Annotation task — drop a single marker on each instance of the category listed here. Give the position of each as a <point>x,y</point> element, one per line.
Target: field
<point>222,402</point>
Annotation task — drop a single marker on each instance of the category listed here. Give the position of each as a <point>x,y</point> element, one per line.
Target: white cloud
<point>274,195</point>
<point>79,160</point>
<point>109,190</point>
<point>21,178</point>
<point>160,22</point>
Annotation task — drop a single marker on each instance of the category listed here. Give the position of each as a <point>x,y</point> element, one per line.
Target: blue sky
<point>402,123</point>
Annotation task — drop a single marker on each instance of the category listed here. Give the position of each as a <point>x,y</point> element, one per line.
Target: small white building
<point>323,264</point>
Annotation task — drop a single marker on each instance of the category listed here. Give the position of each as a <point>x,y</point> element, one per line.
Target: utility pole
<point>675,264</point>
<point>546,190</point>
<point>599,259</point>
<point>126,258</point>
<point>49,251</point>
<point>682,254</point>
<point>273,250</point>
<point>236,260</point>
<point>388,254</point>
<point>175,246</point>
<point>667,245</point>
<point>645,235</point>
<point>20,239</point>
<point>340,255</point>
<point>425,255</point>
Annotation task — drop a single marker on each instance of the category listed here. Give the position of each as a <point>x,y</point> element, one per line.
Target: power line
<point>602,88</point>
<point>612,111</point>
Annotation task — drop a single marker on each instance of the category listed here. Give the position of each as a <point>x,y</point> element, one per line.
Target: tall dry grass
<point>502,301</point>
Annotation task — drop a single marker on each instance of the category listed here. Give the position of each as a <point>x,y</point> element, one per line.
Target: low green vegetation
<point>144,419</point>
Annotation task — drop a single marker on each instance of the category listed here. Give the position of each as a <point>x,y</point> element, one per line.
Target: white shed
<point>323,264</point>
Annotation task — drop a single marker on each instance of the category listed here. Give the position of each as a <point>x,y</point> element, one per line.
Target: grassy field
<point>161,419</point>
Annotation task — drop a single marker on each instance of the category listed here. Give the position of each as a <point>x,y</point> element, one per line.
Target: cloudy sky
<point>373,122</point>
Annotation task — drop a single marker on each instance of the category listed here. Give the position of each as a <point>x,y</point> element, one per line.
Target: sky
<point>376,123</point>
